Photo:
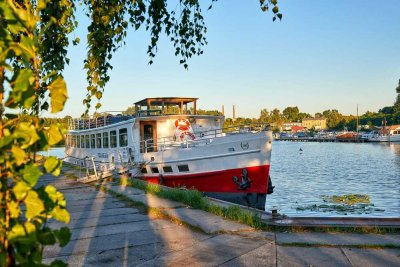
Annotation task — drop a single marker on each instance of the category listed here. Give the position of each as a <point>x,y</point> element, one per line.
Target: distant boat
<point>347,135</point>
<point>387,134</point>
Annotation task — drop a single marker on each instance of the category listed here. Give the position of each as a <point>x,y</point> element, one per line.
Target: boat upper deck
<point>147,107</point>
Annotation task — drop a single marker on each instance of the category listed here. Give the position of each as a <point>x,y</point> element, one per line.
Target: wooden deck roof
<point>165,101</point>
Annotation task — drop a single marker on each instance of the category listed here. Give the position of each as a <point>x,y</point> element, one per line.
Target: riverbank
<point>142,229</point>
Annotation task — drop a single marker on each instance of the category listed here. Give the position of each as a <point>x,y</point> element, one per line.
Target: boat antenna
<point>357,120</point>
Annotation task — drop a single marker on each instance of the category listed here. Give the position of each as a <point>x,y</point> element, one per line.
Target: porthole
<point>167,169</point>
<point>183,168</point>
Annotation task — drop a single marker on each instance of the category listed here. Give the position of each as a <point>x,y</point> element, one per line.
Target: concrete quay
<point>108,231</point>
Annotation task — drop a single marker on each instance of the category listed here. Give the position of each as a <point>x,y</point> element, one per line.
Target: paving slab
<point>128,227</point>
<point>155,202</point>
<point>338,238</point>
<point>373,257</point>
<point>95,206</point>
<point>339,222</point>
<point>207,222</point>
<point>264,256</point>
<point>311,256</point>
<point>76,223</point>
<point>69,196</point>
<point>102,213</point>
<point>93,201</point>
<point>211,252</point>
<point>104,243</point>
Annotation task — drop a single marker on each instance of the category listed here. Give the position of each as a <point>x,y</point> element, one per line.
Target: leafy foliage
<point>110,20</point>
<point>33,46</point>
<point>33,53</point>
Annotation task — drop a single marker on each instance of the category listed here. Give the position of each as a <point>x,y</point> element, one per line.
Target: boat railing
<point>198,138</point>
<point>97,121</point>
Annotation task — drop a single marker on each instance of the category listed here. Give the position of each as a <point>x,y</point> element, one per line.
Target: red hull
<point>218,181</point>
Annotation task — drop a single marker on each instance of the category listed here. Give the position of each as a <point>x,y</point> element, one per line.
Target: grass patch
<point>196,200</point>
<point>368,246</point>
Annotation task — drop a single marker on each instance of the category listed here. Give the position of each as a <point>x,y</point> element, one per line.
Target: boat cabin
<point>157,123</point>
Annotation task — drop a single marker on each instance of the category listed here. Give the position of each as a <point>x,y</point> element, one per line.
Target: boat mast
<point>357,120</point>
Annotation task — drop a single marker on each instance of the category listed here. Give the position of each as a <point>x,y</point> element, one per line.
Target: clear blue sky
<point>322,55</point>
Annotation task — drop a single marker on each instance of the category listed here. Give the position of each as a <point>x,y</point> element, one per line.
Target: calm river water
<point>307,175</point>
<point>306,180</point>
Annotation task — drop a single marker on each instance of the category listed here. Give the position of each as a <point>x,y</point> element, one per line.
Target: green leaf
<point>63,235</point>
<point>23,233</point>
<point>47,237</point>
<point>22,93</point>
<point>14,209</point>
<point>18,154</point>
<point>52,165</point>
<point>3,258</point>
<point>31,174</point>
<point>42,4</point>
<point>58,94</point>
<point>58,263</point>
<point>34,205</point>
<point>5,141</point>
<point>27,132</point>
<point>52,192</point>
<point>60,214</point>
<point>20,190</point>
<point>55,135</point>
<point>55,196</point>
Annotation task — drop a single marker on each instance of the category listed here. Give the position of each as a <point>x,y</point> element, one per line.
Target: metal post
<point>94,168</point>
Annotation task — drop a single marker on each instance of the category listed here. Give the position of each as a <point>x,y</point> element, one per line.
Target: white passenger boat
<point>387,134</point>
<point>178,149</point>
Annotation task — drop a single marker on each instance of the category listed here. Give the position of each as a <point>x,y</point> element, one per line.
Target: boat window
<point>93,141</point>
<point>144,170</point>
<point>105,140</point>
<point>154,170</point>
<point>82,141</point>
<point>183,168</point>
<point>123,137</point>
<point>167,169</point>
<point>78,141</point>
<point>98,140</point>
<point>87,139</point>
<point>113,138</point>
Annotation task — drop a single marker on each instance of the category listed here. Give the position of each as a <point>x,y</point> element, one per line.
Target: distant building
<point>288,126</point>
<point>394,129</point>
<point>316,123</point>
<point>296,129</point>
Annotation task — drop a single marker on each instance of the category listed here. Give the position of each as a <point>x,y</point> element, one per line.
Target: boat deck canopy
<point>163,102</point>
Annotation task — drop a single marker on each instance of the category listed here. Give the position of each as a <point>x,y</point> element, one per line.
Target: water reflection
<point>302,178</point>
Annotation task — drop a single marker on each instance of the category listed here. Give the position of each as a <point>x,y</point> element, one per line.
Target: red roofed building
<point>296,128</point>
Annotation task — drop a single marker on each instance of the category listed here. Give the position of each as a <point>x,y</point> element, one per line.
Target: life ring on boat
<point>183,129</point>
